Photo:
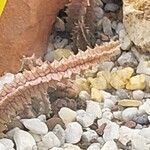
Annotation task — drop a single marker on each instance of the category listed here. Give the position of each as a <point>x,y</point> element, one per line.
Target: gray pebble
<point>143,120</point>
<point>99,12</point>
<point>111,7</point>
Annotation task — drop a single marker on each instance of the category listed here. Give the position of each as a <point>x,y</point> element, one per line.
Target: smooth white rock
<point>7,143</point>
<point>129,113</point>
<point>94,146</point>
<point>60,133</point>
<point>108,103</point>
<point>68,146</point>
<point>35,125</point>
<point>94,108</point>
<point>89,135</point>
<point>110,145</point>
<point>117,115</point>
<point>63,114</point>
<point>84,95</point>
<point>107,115</point>
<point>51,140</point>
<point>42,118</point>
<point>11,133</point>
<point>145,107</point>
<point>73,132</point>
<point>41,146</point>
<point>23,140</point>
<point>84,118</point>
<point>2,147</point>
<point>138,94</point>
<point>111,131</point>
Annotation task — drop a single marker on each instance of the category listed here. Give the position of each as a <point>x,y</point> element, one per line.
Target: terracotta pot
<point>25,26</point>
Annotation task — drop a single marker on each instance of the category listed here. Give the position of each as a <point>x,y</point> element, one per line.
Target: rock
<point>129,113</point>
<point>42,118</point>
<point>99,13</point>
<point>137,82</point>
<point>143,67</point>
<point>123,93</point>
<point>52,122</point>
<point>120,77</point>
<point>96,95</point>
<point>124,40</point>
<point>2,147</point>
<point>117,115</point>
<point>36,137</point>
<point>73,132</point>
<point>111,7</point>
<point>23,140</point>
<point>68,146</point>
<point>89,135</point>
<point>107,26</point>
<point>119,27</point>
<point>60,44</point>
<point>94,108</point>
<point>103,121</point>
<point>138,94</point>
<point>7,143</point>
<point>111,132</point>
<point>104,37</point>
<point>59,25</point>
<point>84,118</point>
<point>145,107</point>
<point>35,125</point>
<point>130,124</point>
<point>145,132</point>
<point>135,18</point>
<point>107,115</point>
<point>106,66</point>
<point>110,145</point>
<point>129,103</point>
<point>63,114</point>
<point>127,59</point>
<point>41,146</point>
<point>94,146</point>
<point>60,133</point>
<point>26,21</point>
<point>99,83</point>
<point>84,95</point>
<point>108,103</point>
<point>100,130</point>
<point>143,120</point>
<point>99,3</point>
<point>50,140</point>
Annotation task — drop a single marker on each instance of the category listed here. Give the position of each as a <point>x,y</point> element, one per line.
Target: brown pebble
<point>100,130</point>
<point>94,126</point>
<point>130,124</point>
<point>52,122</point>
<point>104,37</point>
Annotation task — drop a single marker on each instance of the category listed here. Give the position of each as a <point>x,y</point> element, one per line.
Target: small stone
<point>96,95</point>
<point>104,37</point>
<point>73,132</point>
<point>130,124</point>
<point>50,140</point>
<point>68,146</point>
<point>91,72</point>
<point>143,67</point>
<point>99,83</point>
<point>145,132</point>
<point>7,143</point>
<point>106,66</point>
<point>108,103</point>
<point>94,146</point>
<point>107,115</point>
<point>94,108</point>
<point>129,113</point>
<point>99,13</point>
<point>120,77</point>
<point>111,7</point>
<point>117,115</point>
<point>84,118</point>
<point>59,25</point>
<point>127,59</point>
<point>119,27</point>
<point>89,135</point>
<point>101,141</point>
<point>99,3</point>
<point>56,148</point>
<point>124,40</point>
<point>145,107</point>
<point>129,103</point>
<point>114,24</point>
<point>42,118</point>
<point>143,120</point>
<point>23,140</point>
<point>99,26</point>
<point>60,133</point>
<point>111,131</point>
<point>36,137</point>
<point>2,147</point>
<point>52,122</point>
<point>110,145</point>
<point>84,95</point>
<point>100,130</point>
<point>103,121</point>
<point>63,114</point>
<point>107,26</point>
<point>137,82</point>
<point>123,93</point>
<point>35,125</point>
<point>138,94</point>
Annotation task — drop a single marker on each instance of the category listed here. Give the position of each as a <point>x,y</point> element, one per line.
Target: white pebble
<point>50,140</point>
<point>84,95</point>
<point>68,146</point>
<point>60,133</point>
<point>42,118</point>
<point>94,146</point>
<point>102,121</point>
<point>89,136</point>
<point>111,132</point>
<point>7,143</point>
<point>84,118</point>
<point>129,113</point>
<point>2,147</point>
<point>63,114</point>
<point>145,107</point>
<point>73,132</point>
<point>23,140</point>
<point>108,103</point>
<point>117,115</point>
<point>94,108</point>
<point>107,115</point>
<point>35,125</point>
<point>138,94</point>
<point>110,145</point>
